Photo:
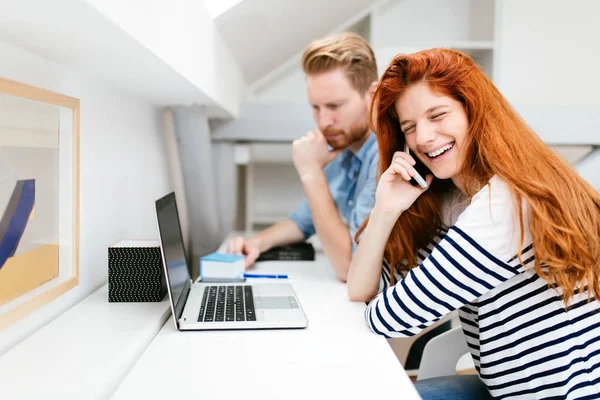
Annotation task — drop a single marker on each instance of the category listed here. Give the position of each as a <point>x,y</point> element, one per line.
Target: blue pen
<point>265,276</point>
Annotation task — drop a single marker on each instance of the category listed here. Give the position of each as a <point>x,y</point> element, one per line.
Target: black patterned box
<point>135,271</point>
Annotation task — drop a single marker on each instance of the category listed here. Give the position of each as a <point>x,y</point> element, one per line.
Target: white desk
<point>335,357</point>
<point>84,353</point>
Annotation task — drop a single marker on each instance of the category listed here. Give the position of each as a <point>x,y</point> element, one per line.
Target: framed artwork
<point>39,198</point>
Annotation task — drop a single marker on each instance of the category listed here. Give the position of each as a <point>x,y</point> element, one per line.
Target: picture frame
<point>39,198</point>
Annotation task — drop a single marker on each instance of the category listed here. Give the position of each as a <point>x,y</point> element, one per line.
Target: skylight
<point>218,7</point>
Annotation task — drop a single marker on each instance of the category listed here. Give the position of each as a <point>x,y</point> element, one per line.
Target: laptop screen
<point>173,252</point>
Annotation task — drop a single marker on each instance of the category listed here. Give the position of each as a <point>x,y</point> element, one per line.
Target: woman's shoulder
<point>494,200</point>
<point>496,187</point>
<point>493,219</point>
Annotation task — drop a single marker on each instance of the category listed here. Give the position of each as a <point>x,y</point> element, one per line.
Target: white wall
<point>548,56</point>
<point>408,26</point>
<point>278,190</point>
<point>123,169</point>
<point>398,26</point>
<point>287,84</point>
<point>430,21</point>
<point>287,87</point>
<point>588,168</point>
<point>183,35</point>
<point>550,51</point>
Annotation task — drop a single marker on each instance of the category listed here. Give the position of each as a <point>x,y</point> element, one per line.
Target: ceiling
<point>264,34</point>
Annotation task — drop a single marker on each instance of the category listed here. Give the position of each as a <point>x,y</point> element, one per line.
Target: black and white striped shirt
<point>525,344</point>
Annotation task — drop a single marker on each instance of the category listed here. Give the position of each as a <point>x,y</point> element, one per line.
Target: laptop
<point>219,306</point>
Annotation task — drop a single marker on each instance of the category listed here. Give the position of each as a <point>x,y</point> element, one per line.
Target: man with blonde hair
<point>337,161</point>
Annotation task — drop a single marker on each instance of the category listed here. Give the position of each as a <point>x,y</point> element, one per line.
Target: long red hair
<point>564,210</point>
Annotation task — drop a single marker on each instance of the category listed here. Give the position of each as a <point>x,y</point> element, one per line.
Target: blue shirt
<point>352,180</point>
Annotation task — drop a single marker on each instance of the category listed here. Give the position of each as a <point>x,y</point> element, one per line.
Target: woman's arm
<point>393,195</point>
<point>457,272</point>
<point>469,262</point>
<point>365,269</point>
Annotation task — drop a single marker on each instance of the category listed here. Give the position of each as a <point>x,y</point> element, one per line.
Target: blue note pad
<point>222,267</point>
<point>222,257</point>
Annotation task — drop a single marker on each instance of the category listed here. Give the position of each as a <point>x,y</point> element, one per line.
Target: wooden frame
<point>64,284</point>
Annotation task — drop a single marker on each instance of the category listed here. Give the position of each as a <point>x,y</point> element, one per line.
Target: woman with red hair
<point>506,233</point>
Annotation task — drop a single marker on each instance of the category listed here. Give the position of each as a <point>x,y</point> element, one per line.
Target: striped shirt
<point>525,344</point>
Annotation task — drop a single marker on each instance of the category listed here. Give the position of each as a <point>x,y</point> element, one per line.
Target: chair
<point>442,353</point>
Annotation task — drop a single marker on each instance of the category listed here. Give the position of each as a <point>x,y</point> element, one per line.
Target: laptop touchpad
<point>274,303</point>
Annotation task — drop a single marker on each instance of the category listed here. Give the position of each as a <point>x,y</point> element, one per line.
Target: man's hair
<point>345,50</point>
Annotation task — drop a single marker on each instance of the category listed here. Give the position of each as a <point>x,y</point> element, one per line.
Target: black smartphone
<point>422,171</point>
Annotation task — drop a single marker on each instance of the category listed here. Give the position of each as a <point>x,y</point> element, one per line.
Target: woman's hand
<point>394,193</point>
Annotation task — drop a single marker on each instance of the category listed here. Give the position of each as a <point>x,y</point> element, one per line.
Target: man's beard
<point>342,139</point>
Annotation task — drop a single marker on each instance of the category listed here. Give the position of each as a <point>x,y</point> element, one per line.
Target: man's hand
<point>311,154</point>
<point>247,247</point>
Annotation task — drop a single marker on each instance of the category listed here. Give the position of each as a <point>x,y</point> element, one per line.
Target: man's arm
<point>333,233</point>
<point>311,155</point>
<point>282,233</point>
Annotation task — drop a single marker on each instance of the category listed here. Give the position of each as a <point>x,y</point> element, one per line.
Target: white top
<point>524,343</point>
<point>336,357</point>
<point>84,353</point>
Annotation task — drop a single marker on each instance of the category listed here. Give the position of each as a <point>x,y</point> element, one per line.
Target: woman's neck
<point>459,183</point>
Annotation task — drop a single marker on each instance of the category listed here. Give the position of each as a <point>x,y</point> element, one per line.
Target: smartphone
<point>420,168</point>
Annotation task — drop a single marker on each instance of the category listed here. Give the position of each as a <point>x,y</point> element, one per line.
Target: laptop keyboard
<point>227,304</point>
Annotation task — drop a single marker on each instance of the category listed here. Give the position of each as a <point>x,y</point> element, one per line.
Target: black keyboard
<point>227,304</point>
<point>292,252</point>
